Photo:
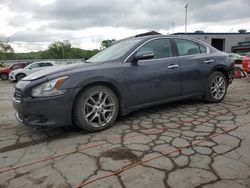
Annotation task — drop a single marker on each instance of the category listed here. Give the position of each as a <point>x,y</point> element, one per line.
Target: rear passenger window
<point>161,48</point>
<point>203,49</point>
<point>48,64</point>
<point>186,47</point>
<point>45,64</point>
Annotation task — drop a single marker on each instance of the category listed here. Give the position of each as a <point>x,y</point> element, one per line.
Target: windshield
<point>28,66</point>
<point>114,52</point>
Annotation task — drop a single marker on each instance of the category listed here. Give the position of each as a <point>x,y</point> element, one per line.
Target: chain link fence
<point>58,61</point>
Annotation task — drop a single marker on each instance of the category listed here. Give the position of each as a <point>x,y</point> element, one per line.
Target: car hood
<point>16,71</point>
<point>4,69</point>
<point>57,69</point>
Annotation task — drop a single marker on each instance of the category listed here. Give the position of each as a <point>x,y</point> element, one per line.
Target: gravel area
<point>180,145</point>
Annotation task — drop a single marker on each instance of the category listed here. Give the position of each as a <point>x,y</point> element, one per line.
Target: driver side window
<point>34,66</point>
<point>161,48</point>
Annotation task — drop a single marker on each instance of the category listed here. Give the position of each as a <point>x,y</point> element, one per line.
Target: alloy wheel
<point>4,76</point>
<point>218,87</point>
<point>20,77</point>
<point>99,109</point>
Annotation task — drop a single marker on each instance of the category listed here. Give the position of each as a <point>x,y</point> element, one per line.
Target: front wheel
<point>96,109</point>
<point>216,88</point>
<point>20,76</point>
<point>4,76</point>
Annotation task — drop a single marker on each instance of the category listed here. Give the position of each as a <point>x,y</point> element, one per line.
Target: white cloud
<point>33,24</point>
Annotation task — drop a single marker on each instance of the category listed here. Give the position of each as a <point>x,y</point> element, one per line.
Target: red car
<point>4,73</point>
<point>246,63</point>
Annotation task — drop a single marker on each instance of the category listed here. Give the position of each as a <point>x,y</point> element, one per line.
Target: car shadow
<point>49,134</point>
<point>166,106</point>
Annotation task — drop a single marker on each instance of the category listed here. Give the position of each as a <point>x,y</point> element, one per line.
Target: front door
<point>154,79</point>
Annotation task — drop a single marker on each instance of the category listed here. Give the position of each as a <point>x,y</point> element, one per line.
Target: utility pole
<point>186,7</point>
<point>173,27</point>
<point>63,51</point>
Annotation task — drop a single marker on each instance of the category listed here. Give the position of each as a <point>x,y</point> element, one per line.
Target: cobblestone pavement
<point>180,145</point>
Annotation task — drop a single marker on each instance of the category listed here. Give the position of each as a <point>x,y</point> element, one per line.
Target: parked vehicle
<point>246,63</point>
<point>131,74</point>
<point>243,54</point>
<point>4,73</point>
<point>236,57</point>
<point>17,75</point>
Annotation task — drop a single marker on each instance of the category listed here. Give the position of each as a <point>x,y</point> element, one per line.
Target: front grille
<point>18,94</point>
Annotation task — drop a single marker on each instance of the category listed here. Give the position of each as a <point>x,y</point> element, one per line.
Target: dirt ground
<point>180,145</point>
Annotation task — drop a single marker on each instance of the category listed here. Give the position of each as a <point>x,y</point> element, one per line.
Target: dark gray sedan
<point>131,74</point>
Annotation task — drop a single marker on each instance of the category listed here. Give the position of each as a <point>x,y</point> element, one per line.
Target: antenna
<point>186,7</point>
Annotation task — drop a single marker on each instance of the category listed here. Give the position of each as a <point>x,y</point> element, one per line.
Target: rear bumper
<point>230,76</point>
<point>46,112</point>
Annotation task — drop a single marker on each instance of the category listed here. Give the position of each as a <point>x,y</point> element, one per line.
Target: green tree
<point>63,49</point>
<point>6,50</point>
<point>58,50</point>
<point>5,47</point>
<point>106,43</point>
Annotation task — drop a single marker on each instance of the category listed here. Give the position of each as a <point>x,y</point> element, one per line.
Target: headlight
<point>50,88</point>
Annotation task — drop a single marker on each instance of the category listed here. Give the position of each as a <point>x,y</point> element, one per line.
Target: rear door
<point>155,79</point>
<point>195,64</point>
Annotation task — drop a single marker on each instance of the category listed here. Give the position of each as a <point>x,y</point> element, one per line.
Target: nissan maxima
<point>131,74</point>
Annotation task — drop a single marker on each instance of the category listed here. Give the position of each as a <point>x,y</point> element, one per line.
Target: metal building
<point>227,42</point>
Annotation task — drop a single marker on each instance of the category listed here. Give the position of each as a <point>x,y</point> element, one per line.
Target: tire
<point>20,76</point>
<point>216,87</point>
<point>88,106</point>
<point>4,76</point>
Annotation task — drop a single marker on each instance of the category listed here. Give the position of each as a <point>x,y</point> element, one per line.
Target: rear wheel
<point>20,76</point>
<point>216,88</point>
<point>4,76</point>
<point>96,109</point>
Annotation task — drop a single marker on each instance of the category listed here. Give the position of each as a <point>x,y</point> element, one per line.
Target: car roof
<point>53,62</point>
<point>147,37</point>
<point>154,34</point>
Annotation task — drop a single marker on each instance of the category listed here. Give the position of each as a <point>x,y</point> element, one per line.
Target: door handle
<point>209,61</point>
<point>173,66</point>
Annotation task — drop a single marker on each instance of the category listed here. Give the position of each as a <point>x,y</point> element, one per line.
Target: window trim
<point>173,45</point>
<point>169,38</point>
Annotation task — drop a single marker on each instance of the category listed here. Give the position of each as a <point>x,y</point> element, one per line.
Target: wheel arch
<point>221,69</point>
<point>107,84</point>
<point>19,74</point>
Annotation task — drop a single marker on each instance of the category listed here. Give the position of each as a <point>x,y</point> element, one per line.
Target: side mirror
<point>143,56</point>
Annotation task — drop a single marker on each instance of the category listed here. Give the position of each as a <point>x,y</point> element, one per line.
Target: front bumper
<point>46,112</point>
<point>12,77</point>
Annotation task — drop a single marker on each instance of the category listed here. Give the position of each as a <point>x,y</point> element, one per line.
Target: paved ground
<point>181,145</point>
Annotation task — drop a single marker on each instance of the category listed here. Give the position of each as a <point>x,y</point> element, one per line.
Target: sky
<point>31,25</point>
